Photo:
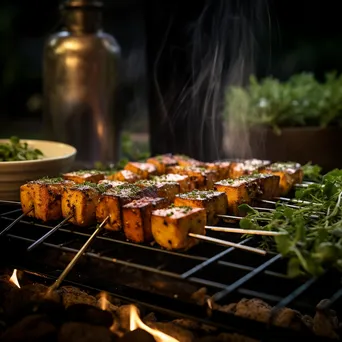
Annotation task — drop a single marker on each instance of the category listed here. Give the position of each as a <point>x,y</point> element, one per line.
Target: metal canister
<point>81,75</point>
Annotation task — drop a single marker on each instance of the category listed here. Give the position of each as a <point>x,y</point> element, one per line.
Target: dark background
<point>287,37</point>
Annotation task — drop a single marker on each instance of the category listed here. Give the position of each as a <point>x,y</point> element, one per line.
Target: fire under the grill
<point>257,300</point>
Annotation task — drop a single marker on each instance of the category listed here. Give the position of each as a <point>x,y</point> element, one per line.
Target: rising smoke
<point>225,42</point>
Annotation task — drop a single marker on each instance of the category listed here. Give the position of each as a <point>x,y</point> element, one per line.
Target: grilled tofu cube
<point>183,160</point>
<point>214,202</point>
<point>184,181</point>
<point>124,176</point>
<point>83,176</point>
<point>268,184</point>
<point>171,226</point>
<point>143,170</point>
<point>166,190</point>
<point>290,173</point>
<point>80,201</point>
<point>44,196</point>
<point>238,191</point>
<point>221,168</point>
<point>247,167</point>
<point>137,218</point>
<point>112,201</point>
<point>161,162</point>
<point>202,178</point>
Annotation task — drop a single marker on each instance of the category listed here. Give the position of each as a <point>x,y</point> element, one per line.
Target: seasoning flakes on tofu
<point>247,167</point>
<point>124,176</point>
<point>171,226</point>
<point>137,218</point>
<point>290,173</point>
<point>167,190</point>
<point>112,201</point>
<point>82,176</point>
<point>80,201</point>
<point>111,183</point>
<point>44,196</point>
<point>238,191</point>
<point>161,162</point>
<point>184,181</point>
<point>143,170</point>
<point>214,202</point>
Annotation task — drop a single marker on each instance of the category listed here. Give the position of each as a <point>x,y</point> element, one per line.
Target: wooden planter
<point>322,146</point>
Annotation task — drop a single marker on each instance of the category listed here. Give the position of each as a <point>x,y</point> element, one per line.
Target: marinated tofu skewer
<point>183,227</point>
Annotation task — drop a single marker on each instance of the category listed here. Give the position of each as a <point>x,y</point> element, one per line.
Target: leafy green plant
<point>313,239</point>
<point>300,101</point>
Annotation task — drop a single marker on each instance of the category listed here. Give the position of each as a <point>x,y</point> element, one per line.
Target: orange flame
<point>14,279</point>
<point>103,301</point>
<point>135,323</point>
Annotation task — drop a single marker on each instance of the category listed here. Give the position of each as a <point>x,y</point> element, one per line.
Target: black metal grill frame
<point>228,273</point>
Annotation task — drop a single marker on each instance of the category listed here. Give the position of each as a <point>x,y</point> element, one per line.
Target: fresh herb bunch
<point>300,101</point>
<point>314,232</point>
<point>15,150</point>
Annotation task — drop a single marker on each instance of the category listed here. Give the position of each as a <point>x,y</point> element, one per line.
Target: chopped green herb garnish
<point>15,150</point>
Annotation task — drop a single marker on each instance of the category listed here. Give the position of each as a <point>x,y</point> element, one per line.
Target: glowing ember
<point>14,278</point>
<point>103,301</point>
<point>135,323</point>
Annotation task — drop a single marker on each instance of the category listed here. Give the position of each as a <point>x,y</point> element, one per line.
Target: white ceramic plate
<point>58,158</point>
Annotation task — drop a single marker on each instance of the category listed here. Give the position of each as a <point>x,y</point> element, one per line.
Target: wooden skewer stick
<point>50,232</point>
<point>244,231</point>
<point>293,200</point>
<point>241,217</point>
<point>8,202</point>
<point>14,222</point>
<point>73,262</point>
<point>274,203</point>
<point>227,243</point>
<point>263,209</point>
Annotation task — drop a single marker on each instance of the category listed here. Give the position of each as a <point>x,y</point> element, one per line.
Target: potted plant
<point>300,119</point>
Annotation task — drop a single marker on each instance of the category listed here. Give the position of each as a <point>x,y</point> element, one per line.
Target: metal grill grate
<point>163,278</point>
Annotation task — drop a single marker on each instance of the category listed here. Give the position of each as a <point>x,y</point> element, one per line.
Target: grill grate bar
<point>11,212</point>
<point>261,295</point>
<point>211,260</point>
<point>104,238</point>
<point>336,296</point>
<point>296,293</point>
<point>218,296</point>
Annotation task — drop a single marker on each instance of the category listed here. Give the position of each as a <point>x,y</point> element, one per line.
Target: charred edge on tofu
<point>198,194</point>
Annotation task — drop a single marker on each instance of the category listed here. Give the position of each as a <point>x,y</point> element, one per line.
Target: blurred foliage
<point>300,101</point>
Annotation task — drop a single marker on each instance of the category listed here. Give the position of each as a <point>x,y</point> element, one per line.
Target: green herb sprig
<point>15,150</point>
<point>313,242</point>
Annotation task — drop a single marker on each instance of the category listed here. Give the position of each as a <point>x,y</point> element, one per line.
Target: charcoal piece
<point>177,332</point>
<point>193,325</point>
<point>137,335</point>
<point>31,328</point>
<point>89,314</point>
<point>325,321</point>
<point>72,295</point>
<point>150,318</point>
<point>5,288</point>
<point>33,299</point>
<point>226,337</point>
<point>254,309</point>
<point>83,332</point>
